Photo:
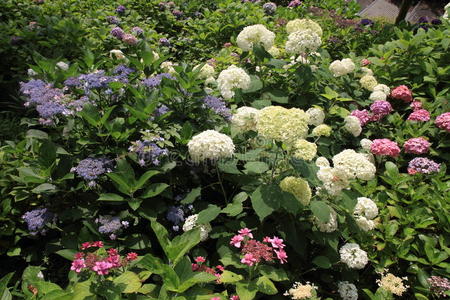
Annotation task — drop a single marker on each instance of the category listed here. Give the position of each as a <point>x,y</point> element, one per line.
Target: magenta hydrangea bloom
<point>423,165</point>
<point>421,115</point>
<point>385,147</point>
<point>417,146</point>
<point>78,265</point>
<point>102,267</point>
<point>416,105</point>
<point>402,92</point>
<point>381,108</point>
<point>443,121</point>
<point>363,116</point>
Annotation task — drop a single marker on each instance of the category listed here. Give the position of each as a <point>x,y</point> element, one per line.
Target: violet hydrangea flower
<point>91,168</point>
<point>148,150</point>
<point>423,165</point>
<point>111,225</point>
<point>36,220</point>
<point>218,106</point>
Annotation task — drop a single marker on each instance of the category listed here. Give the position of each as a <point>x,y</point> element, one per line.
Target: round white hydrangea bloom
<point>210,144</point>
<point>316,116</point>
<point>353,256</point>
<point>303,24</point>
<point>378,96</point>
<point>353,125</point>
<point>366,71</point>
<point>191,223</point>
<point>274,51</point>
<point>321,130</point>
<point>304,150</point>
<point>329,226</point>
<point>117,53</point>
<point>282,124</point>
<point>232,78</point>
<point>334,180</point>
<point>63,66</point>
<point>355,165</point>
<point>206,71</point>
<point>383,88</point>
<point>245,118</point>
<point>364,223</point>
<point>210,81</point>
<point>255,34</point>
<point>342,67</point>
<point>347,290</point>
<point>298,187</point>
<point>366,207</point>
<point>304,41</point>
<point>447,11</point>
<point>366,144</point>
<point>301,59</point>
<point>368,82</point>
<point>322,162</point>
<point>167,66</point>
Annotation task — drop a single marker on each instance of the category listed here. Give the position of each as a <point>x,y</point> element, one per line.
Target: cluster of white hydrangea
<point>62,65</point>
<point>304,150</point>
<point>347,290</point>
<point>206,71</point>
<point>274,51</point>
<point>378,96</point>
<point>254,34</point>
<point>191,223</point>
<point>245,118</point>
<point>316,116</point>
<point>167,66</point>
<point>210,145</point>
<point>297,187</point>
<point>365,211</point>
<point>231,78</point>
<point>303,24</point>
<point>354,165</point>
<point>383,88</point>
<point>342,67</point>
<point>366,144</point>
<point>282,124</point>
<point>321,130</point>
<point>304,41</point>
<point>329,226</point>
<point>447,11</point>
<point>322,162</point>
<point>333,180</point>
<point>353,256</point>
<point>368,82</point>
<point>353,125</point>
<point>366,71</point>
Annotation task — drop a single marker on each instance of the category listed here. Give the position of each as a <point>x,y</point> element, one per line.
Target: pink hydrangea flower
<point>246,232</point>
<point>294,3</point>
<point>381,108</point>
<point>195,267</point>
<point>78,265</point>
<point>417,146</point>
<point>200,259</point>
<point>276,242</point>
<point>102,267</point>
<point>443,121</point>
<point>248,259</point>
<point>421,115</point>
<point>235,297</point>
<point>365,62</point>
<point>281,255</point>
<point>132,256</point>
<point>220,268</point>
<point>362,115</point>
<point>129,39</point>
<point>384,147</point>
<point>416,105</point>
<point>236,240</point>
<point>228,44</point>
<point>402,92</point>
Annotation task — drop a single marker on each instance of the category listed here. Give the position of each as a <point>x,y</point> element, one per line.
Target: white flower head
<point>117,53</point>
<point>245,118</point>
<point>342,67</point>
<point>31,72</point>
<point>231,78</point>
<point>366,207</point>
<point>329,226</point>
<point>191,223</point>
<point>383,88</point>
<point>316,116</point>
<point>206,71</point>
<point>378,96</point>
<point>353,125</point>
<point>251,35</point>
<point>366,144</point>
<point>304,41</point>
<point>347,290</point>
<point>62,65</point>
<point>210,145</point>
<point>353,256</point>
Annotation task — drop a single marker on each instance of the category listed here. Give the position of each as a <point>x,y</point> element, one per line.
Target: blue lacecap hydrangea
<point>218,106</point>
<point>155,81</point>
<point>36,220</point>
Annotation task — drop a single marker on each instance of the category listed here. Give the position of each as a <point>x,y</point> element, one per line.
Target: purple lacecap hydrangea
<point>137,30</point>
<point>117,32</point>
<point>177,13</point>
<point>111,225</point>
<point>123,70</point>
<point>161,110</point>
<point>113,20</point>
<point>48,110</point>
<point>294,3</point>
<point>91,168</point>
<point>218,106</point>
<point>423,165</point>
<point>99,79</point>
<point>72,82</point>
<point>381,108</point>
<point>36,220</point>
<point>77,105</point>
<point>120,9</point>
<point>129,39</point>
<point>164,42</point>
<point>148,151</point>
<point>269,8</point>
<point>439,285</point>
<point>40,92</point>
<point>175,215</point>
<point>155,81</point>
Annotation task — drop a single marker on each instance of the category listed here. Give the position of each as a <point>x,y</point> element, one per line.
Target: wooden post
<point>406,4</point>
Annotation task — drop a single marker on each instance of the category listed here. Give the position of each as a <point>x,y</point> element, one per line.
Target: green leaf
<point>67,253</point>
<point>256,167</point>
<point>246,291</point>
<point>82,290</point>
<point>4,292</point>
<point>47,153</point>
<point>130,281</point>
<point>322,262</point>
<point>181,244</point>
<point>162,235</point>
<point>266,286</point>
<point>155,265</point>
<point>209,214</point>
<point>37,134</point>
<point>144,178</point>
<point>186,132</point>
<point>90,114</point>
<point>321,211</point>
<point>265,200</point>
<point>255,85</point>
<point>276,95</point>
<point>307,170</point>
<point>235,208</point>
<point>138,114</point>
<point>121,183</point>
<point>154,190</point>
<point>273,273</point>
<point>44,188</point>
<point>191,196</point>
<point>230,277</point>
<point>110,197</point>
<point>229,166</point>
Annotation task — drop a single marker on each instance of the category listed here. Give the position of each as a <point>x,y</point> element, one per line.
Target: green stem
<point>221,185</point>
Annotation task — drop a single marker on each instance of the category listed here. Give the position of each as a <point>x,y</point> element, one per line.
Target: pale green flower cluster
<point>245,118</point>
<point>254,34</point>
<point>210,145</point>
<point>304,150</point>
<point>304,41</point>
<point>297,187</point>
<point>303,24</point>
<point>322,130</point>
<point>368,82</point>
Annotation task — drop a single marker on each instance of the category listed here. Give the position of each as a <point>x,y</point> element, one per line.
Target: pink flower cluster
<point>98,263</point>
<point>255,251</point>
<point>421,115</point>
<point>417,146</point>
<point>384,147</point>
<point>365,62</point>
<point>402,92</point>
<point>294,3</point>
<point>198,266</point>
<point>363,116</point>
<point>380,109</point>
<point>443,121</point>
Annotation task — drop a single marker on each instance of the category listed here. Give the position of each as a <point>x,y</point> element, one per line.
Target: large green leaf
<point>321,211</point>
<point>182,244</point>
<point>129,282</point>
<point>266,286</point>
<point>154,190</point>
<point>265,200</point>
<point>208,214</point>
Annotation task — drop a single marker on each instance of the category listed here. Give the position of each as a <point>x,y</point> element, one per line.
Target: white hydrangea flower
<point>305,41</point>
<point>117,53</point>
<point>366,71</point>
<point>365,224</point>
<point>31,72</point>
<point>303,24</point>
<point>304,150</point>
<point>347,290</point>
<point>383,88</point>
<point>366,207</point>
<point>231,78</point>
<point>274,51</point>
<point>366,144</point>
<point>210,80</point>
<point>255,34</point>
<point>322,162</point>
<point>316,116</point>
<point>330,226</point>
<point>353,125</point>
<point>206,71</point>
<point>354,165</point>
<point>245,118</point>
<point>62,65</point>
<point>334,180</point>
<point>342,67</point>
<point>447,11</point>
<point>353,256</point>
<point>191,223</point>
<point>211,145</point>
<point>377,96</point>
<point>368,82</point>
<point>167,66</point>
